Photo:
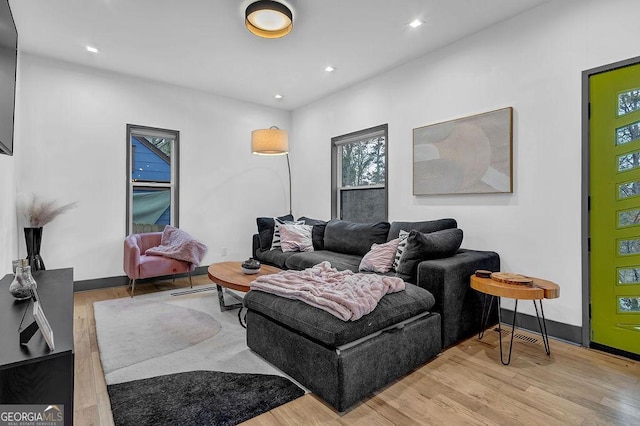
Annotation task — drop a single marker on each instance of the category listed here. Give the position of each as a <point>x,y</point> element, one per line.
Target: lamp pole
<point>289,168</point>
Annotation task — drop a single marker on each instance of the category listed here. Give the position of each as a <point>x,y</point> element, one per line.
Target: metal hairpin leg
<point>486,311</point>
<point>543,328</point>
<point>513,328</point>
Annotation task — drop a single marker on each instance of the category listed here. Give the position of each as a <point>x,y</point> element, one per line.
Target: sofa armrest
<point>458,304</point>
<point>131,257</point>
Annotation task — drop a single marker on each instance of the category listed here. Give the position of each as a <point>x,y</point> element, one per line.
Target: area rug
<point>174,358</point>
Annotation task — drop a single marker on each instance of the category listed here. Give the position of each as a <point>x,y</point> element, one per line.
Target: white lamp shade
<point>269,142</point>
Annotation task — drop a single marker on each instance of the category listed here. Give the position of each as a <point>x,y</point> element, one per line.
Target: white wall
<point>532,63</point>
<point>72,147</point>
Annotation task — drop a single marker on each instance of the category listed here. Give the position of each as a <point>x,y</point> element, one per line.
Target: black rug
<point>198,398</point>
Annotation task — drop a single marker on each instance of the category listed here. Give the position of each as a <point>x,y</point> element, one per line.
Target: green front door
<point>615,208</point>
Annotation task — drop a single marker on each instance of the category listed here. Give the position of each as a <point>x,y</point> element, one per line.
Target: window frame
<point>173,185</point>
<point>336,167</point>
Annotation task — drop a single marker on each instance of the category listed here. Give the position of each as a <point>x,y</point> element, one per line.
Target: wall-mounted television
<point>8,63</point>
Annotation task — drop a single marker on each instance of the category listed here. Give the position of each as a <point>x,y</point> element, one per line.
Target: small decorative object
<point>482,273</point>
<point>511,278</point>
<point>38,213</point>
<point>23,282</point>
<point>250,266</point>
<point>33,240</point>
<point>43,325</point>
<point>40,322</point>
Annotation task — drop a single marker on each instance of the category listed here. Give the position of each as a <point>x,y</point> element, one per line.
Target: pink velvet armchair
<point>138,265</point>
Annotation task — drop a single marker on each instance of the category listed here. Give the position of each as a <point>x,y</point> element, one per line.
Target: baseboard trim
<point>98,283</point>
<point>614,351</point>
<point>558,330</point>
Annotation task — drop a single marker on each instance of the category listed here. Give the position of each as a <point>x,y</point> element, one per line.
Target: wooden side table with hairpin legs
<point>534,289</point>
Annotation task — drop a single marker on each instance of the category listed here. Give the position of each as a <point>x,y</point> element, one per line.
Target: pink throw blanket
<point>177,244</point>
<point>343,294</point>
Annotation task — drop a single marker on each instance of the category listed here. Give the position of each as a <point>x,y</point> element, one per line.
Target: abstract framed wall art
<point>470,155</point>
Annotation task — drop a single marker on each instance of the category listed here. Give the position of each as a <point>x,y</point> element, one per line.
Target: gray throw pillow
<point>425,227</point>
<point>317,232</point>
<point>347,237</point>
<point>434,245</point>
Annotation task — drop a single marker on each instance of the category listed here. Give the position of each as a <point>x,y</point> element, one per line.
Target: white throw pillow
<point>275,241</point>
<point>380,257</point>
<point>401,246</point>
<point>296,237</point>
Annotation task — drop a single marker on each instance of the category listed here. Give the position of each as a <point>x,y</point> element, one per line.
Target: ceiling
<point>204,45</point>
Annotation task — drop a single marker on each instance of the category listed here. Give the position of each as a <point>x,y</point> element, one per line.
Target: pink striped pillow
<point>380,257</point>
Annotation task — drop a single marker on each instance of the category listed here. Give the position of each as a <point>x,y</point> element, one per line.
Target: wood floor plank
<point>502,401</point>
<point>307,409</point>
<point>465,384</point>
<point>411,407</point>
<point>86,416</point>
<point>103,404</point>
<point>84,389</point>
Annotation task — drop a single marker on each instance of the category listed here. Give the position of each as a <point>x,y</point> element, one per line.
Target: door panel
<point>615,208</point>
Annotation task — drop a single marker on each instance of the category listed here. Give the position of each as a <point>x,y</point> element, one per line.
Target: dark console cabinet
<point>31,374</point>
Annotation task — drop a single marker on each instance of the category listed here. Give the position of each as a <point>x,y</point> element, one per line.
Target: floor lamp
<point>272,141</point>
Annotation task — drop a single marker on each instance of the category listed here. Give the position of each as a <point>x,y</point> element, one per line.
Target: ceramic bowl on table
<point>250,266</point>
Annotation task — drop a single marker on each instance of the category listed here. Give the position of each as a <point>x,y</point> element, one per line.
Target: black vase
<point>33,238</point>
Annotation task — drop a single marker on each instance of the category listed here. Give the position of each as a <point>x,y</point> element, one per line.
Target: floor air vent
<point>191,291</point>
<point>506,332</point>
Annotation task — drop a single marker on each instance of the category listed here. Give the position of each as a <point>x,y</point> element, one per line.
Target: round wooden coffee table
<point>229,275</point>
<point>535,291</point>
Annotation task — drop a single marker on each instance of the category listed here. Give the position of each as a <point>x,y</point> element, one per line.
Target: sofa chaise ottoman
<point>344,361</point>
<point>344,244</point>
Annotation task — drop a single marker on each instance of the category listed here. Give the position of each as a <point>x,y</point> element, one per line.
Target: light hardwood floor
<point>466,384</point>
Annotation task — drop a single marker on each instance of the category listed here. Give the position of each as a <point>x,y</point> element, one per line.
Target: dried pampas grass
<point>40,212</point>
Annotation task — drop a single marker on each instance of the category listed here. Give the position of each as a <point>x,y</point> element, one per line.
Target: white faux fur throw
<point>178,244</point>
<point>343,294</point>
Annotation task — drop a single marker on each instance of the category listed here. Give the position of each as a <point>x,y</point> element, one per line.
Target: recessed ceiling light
<point>415,23</point>
<point>91,49</point>
<point>278,96</point>
<point>329,68</point>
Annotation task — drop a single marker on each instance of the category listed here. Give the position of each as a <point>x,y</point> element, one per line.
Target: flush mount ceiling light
<point>268,19</point>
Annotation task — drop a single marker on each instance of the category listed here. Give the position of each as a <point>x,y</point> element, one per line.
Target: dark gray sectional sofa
<point>343,362</point>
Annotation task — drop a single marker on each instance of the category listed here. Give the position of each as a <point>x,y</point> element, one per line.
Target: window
<point>628,161</point>
<point>628,102</point>
<point>152,179</point>
<point>628,133</point>
<point>359,175</point>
